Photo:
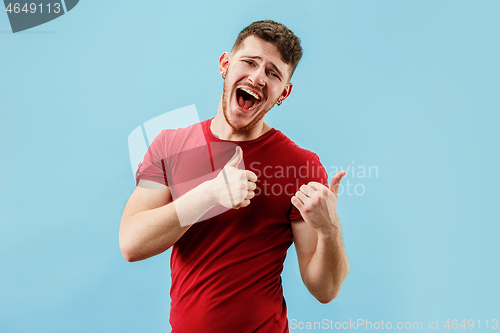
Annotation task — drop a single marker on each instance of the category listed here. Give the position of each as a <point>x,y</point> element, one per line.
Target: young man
<point>226,268</point>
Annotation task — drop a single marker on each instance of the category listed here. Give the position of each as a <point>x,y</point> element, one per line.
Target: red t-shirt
<point>226,269</point>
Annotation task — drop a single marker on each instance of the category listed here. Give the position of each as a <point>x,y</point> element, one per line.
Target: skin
<point>151,223</point>
<point>257,65</point>
<point>318,240</point>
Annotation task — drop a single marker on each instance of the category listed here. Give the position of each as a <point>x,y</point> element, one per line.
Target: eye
<point>275,75</point>
<point>248,62</point>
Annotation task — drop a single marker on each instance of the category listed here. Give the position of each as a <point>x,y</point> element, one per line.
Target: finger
<point>316,186</point>
<point>237,157</point>
<point>244,203</point>
<point>250,195</point>
<point>308,191</point>
<point>334,186</point>
<point>251,176</point>
<point>302,197</point>
<point>297,203</point>
<point>251,186</point>
<point>319,188</point>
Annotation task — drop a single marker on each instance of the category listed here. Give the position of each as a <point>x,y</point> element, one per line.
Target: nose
<point>257,77</point>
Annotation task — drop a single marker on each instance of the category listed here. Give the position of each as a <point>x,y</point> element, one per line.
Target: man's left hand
<point>318,204</point>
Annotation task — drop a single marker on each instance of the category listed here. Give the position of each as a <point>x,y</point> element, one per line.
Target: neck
<point>222,130</point>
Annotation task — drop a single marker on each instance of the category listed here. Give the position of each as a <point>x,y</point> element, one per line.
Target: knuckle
<point>318,200</point>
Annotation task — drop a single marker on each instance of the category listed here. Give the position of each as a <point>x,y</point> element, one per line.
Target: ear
<point>224,63</point>
<point>287,91</point>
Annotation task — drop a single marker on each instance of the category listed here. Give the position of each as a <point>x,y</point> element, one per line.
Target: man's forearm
<point>151,232</point>
<point>328,267</point>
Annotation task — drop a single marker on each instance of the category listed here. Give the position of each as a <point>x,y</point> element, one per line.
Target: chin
<point>245,123</point>
<point>236,122</point>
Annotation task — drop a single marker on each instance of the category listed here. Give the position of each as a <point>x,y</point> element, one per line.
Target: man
<point>226,267</point>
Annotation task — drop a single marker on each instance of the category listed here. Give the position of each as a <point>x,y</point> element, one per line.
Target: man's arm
<point>151,222</point>
<point>322,259</point>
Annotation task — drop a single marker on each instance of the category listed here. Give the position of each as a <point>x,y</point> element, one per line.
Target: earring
<point>224,75</point>
<point>279,102</point>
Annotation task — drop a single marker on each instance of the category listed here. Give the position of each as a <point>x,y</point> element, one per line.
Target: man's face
<point>256,78</point>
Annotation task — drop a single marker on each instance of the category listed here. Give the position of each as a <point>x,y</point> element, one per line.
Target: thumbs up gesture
<point>233,187</point>
<point>318,204</point>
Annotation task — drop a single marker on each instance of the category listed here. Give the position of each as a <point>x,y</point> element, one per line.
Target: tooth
<point>251,93</point>
<point>253,107</point>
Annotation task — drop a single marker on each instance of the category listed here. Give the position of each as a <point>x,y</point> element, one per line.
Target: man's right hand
<point>233,187</point>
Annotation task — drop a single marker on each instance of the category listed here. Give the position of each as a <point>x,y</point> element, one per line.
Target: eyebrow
<point>272,65</point>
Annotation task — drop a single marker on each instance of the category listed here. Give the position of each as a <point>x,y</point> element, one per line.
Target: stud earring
<point>279,102</point>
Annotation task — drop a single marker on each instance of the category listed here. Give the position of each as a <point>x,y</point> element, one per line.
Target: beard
<point>244,127</point>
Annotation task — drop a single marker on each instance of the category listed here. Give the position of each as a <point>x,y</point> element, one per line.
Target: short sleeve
<point>316,173</point>
<point>153,166</point>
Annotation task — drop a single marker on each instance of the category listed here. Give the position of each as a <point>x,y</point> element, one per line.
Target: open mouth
<point>247,99</point>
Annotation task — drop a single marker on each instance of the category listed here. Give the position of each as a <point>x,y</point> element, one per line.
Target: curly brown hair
<point>283,38</point>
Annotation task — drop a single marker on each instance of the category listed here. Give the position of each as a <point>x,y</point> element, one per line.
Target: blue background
<point>410,87</point>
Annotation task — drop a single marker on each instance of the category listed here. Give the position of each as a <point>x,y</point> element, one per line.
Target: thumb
<point>334,186</point>
<point>237,157</point>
